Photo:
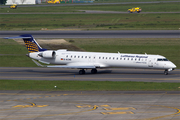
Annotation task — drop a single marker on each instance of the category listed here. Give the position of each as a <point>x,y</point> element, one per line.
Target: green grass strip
<point>46,85</point>
<point>90,21</point>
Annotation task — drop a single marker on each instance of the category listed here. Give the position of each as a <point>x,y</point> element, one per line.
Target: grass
<point>86,85</point>
<point>13,55</point>
<point>153,7</point>
<point>127,21</point>
<point>90,21</point>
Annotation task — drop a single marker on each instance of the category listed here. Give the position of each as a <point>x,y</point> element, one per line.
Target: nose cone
<point>172,65</point>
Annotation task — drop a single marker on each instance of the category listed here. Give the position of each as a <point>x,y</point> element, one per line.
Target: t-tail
<point>30,43</point>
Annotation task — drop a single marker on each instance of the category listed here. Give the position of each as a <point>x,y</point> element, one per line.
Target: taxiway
<point>111,74</point>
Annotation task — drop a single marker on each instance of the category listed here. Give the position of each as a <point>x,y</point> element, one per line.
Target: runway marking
<point>107,113</point>
<point>84,106</point>
<point>121,108</point>
<point>160,117</point>
<point>27,106</point>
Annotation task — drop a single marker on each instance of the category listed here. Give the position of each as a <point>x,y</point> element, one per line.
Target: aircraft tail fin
<point>30,43</point>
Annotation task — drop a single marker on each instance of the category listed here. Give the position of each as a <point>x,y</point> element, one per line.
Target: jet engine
<point>48,54</point>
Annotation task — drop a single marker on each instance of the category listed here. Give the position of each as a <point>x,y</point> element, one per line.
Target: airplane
<point>92,60</point>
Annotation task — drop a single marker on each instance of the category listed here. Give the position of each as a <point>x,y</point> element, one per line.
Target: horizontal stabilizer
<point>17,37</point>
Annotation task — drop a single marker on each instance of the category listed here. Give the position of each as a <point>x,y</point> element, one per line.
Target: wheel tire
<point>166,72</point>
<point>82,72</point>
<point>93,71</point>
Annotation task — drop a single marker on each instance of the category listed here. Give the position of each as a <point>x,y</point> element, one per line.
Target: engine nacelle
<point>48,54</point>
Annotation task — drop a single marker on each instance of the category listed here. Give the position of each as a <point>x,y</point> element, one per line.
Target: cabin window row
<point>113,58</point>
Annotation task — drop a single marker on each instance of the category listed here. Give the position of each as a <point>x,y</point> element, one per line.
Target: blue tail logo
<point>30,43</point>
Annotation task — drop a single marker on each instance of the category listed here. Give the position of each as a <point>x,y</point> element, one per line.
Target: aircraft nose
<point>173,65</point>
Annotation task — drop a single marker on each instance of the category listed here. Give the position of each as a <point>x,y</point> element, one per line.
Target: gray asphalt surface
<point>96,34</point>
<point>113,74</point>
<point>86,105</point>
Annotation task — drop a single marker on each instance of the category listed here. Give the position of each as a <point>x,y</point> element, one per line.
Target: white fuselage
<point>102,60</point>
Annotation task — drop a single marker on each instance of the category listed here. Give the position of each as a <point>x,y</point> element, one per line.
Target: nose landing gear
<point>166,72</point>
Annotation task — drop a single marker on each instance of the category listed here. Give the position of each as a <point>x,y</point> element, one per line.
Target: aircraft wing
<point>68,66</point>
<point>72,65</point>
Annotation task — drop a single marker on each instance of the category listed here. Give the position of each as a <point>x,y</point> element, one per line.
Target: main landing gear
<point>82,71</point>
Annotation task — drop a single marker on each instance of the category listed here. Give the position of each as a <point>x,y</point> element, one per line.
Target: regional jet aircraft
<point>92,60</point>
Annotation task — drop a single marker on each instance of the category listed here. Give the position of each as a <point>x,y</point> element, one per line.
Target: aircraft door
<point>150,62</point>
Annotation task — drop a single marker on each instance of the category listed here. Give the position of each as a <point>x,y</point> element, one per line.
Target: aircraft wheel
<point>93,71</point>
<point>82,72</point>
<point>166,72</point>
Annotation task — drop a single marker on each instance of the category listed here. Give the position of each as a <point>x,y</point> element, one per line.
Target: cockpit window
<point>162,59</point>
